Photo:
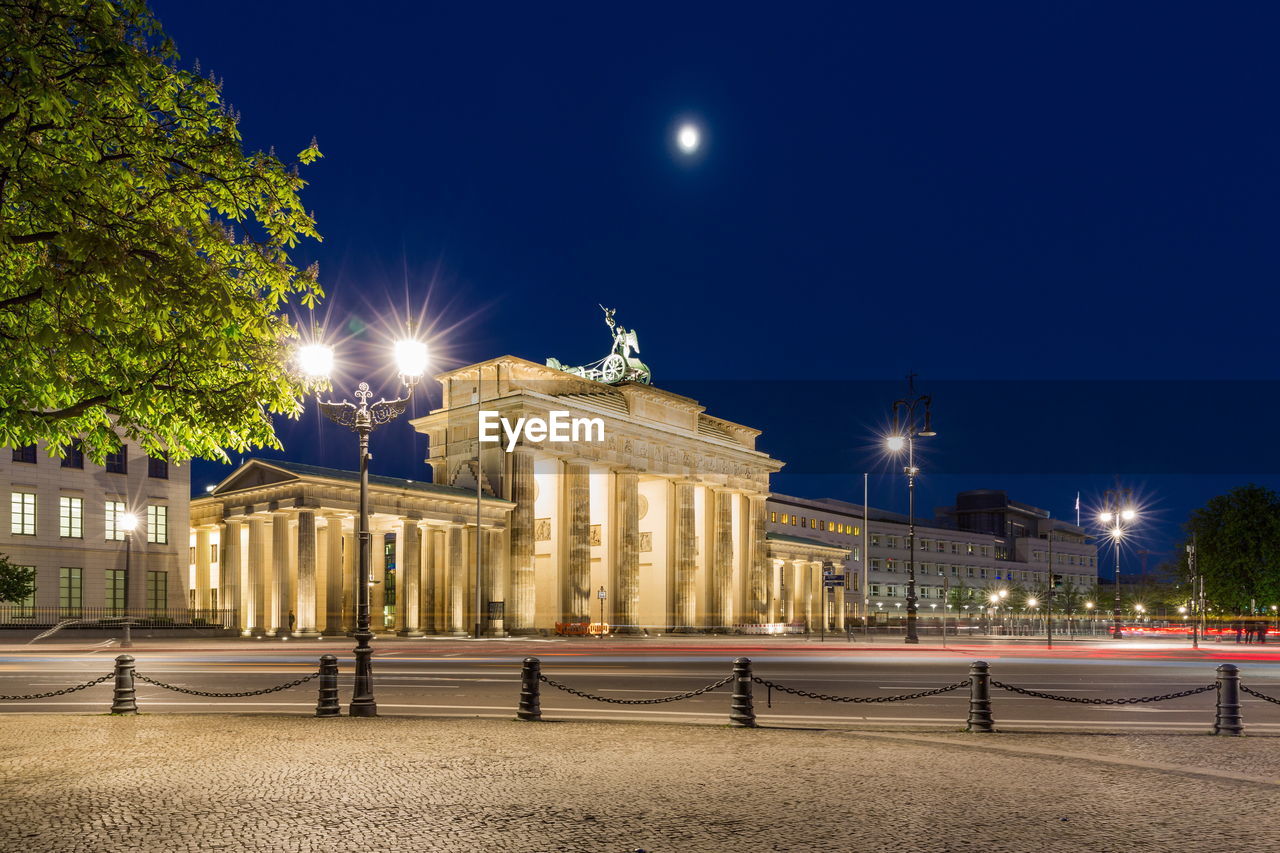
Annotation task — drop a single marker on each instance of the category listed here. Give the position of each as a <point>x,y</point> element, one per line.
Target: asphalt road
<point>482,678</point>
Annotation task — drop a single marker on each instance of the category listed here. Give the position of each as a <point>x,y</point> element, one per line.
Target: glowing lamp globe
<point>688,138</point>
<point>411,358</point>
<point>128,522</point>
<point>316,360</point>
<point>895,443</point>
<point>1104,517</point>
<point>1129,515</point>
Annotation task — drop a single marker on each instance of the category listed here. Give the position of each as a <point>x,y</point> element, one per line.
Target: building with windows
<point>66,519</point>
<point>985,543</point>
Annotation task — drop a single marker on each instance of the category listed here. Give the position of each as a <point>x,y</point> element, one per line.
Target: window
<point>157,590</point>
<point>793,521</point>
<point>158,524</point>
<point>23,517</point>
<point>856,554</point>
<point>877,564</point>
<point>71,518</point>
<point>115,591</point>
<point>118,462</point>
<point>213,553</point>
<point>893,541</point>
<point>813,524</point>
<point>25,454</point>
<point>69,588</point>
<point>773,517</point>
<point>115,511</point>
<point>804,522</point>
<point>875,540</point>
<point>158,467</point>
<point>74,456</point>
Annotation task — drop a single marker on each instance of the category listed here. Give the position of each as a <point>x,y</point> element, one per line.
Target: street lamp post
<point>128,523</point>
<point>316,361</point>
<point>906,427</point>
<point>1118,512</point>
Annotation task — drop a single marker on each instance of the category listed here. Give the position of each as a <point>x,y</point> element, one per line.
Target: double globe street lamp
<point>316,362</point>
<point>1117,515</point>
<point>911,419</point>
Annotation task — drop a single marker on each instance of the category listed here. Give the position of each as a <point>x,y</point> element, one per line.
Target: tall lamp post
<point>1118,515</point>
<point>908,415</point>
<point>128,523</point>
<point>316,361</point>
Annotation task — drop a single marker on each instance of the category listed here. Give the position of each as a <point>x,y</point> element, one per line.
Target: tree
<point>1237,538</point>
<point>16,582</point>
<point>127,303</point>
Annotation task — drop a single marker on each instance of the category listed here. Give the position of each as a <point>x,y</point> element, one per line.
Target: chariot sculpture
<point>619,365</point>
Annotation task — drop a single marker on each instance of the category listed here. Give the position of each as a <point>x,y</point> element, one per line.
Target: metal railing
<point>17,616</point>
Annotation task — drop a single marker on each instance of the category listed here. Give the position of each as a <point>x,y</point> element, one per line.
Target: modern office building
<point>67,519</point>
<point>985,543</point>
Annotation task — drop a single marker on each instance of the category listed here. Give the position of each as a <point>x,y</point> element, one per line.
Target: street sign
<point>601,594</point>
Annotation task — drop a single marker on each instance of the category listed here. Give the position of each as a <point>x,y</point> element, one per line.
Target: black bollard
<point>327,700</point>
<point>530,687</point>
<point>1227,721</point>
<point>124,699</point>
<point>742,712</point>
<point>980,698</point>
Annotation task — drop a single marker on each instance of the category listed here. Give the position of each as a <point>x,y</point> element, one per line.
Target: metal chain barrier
<point>806,694</point>
<point>1248,690</point>
<point>63,692</point>
<point>189,692</point>
<point>1083,700</point>
<point>567,689</point>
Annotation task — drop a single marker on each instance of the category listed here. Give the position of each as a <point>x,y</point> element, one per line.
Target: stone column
<point>578,577</point>
<point>203,537</point>
<point>757,606</point>
<point>410,574</point>
<point>278,612</point>
<point>496,575</point>
<point>428,556</point>
<point>685,563</point>
<point>811,608</point>
<point>378,574</point>
<point>775,612</point>
<point>350,553</point>
<point>626,599</point>
<point>722,561</point>
<point>455,574</point>
<point>333,577</point>
<point>230,570</point>
<point>306,604</point>
<point>255,590</point>
<point>520,610</point>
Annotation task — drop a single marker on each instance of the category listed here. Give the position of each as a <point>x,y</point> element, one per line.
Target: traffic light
<point>1057,581</point>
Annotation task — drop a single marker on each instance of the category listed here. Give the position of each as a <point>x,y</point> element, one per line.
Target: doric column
<point>230,568</point>
<point>255,590</point>
<point>775,611</point>
<point>496,575</point>
<point>455,574</point>
<point>333,576</point>
<point>277,620</point>
<point>811,603</point>
<point>626,601</point>
<point>578,577</point>
<point>521,607</point>
<point>305,624</point>
<point>757,606</point>
<point>428,556</point>
<point>378,574</point>
<point>685,563</point>
<point>203,537</point>
<point>350,553</point>
<point>721,561</point>
<point>410,572</point>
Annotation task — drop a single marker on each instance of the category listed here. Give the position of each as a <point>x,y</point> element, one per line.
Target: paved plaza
<point>280,783</point>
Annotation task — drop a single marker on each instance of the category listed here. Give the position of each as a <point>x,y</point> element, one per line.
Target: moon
<point>688,138</point>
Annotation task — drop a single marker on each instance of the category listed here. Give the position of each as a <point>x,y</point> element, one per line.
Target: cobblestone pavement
<point>275,783</point>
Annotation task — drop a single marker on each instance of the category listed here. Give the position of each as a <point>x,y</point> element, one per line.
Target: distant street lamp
<point>912,418</point>
<point>1118,514</point>
<point>316,361</point>
<point>128,523</point>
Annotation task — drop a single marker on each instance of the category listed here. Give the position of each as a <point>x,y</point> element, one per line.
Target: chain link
<point>827,698</point>
<point>1084,700</point>
<point>1264,696</point>
<point>63,692</point>
<point>567,689</point>
<point>189,692</point>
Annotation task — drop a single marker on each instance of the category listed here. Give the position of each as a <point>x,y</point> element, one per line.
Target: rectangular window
<point>158,524</point>
<point>875,589</point>
<point>115,591</point>
<point>856,554</point>
<point>25,454</point>
<point>875,540</point>
<point>118,462</point>
<point>23,514</point>
<point>71,518</point>
<point>793,521</point>
<point>157,590</point>
<point>69,588</point>
<point>74,456</point>
<point>773,517</point>
<point>804,522</point>
<point>158,467</point>
<point>115,511</point>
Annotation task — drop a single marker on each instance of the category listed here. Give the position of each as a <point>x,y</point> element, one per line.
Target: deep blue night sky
<point>1016,201</point>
